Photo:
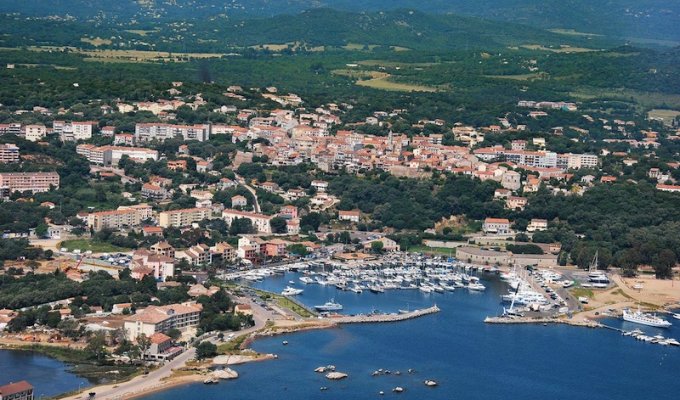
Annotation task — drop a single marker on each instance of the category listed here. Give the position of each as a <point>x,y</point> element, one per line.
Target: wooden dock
<point>377,318</point>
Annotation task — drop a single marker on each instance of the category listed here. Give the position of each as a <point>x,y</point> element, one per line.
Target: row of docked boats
<point>428,280</point>
<point>656,339</point>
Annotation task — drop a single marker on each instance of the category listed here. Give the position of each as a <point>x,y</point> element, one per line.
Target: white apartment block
<point>183,217</point>
<point>260,222</point>
<point>129,216</point>
<point>74,131</point>
<point>145,132</point>
<point>34,133</point>
<point>111,155</point>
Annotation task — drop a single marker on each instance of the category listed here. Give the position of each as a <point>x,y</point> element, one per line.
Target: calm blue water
<point>48,376</point>
<point>469,359</point>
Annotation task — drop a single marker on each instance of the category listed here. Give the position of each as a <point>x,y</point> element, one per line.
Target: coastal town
<point>253,220</point>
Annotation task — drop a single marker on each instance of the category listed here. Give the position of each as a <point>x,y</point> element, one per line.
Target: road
<point>123,178</point>
<point>242,181</point>
<point>143,383</point>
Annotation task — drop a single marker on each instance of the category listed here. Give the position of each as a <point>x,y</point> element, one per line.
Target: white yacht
<point>307,280</point>
<point>330,305</point>
<point>476,286</point>
<point>290,291</point>
<point>638,317</point>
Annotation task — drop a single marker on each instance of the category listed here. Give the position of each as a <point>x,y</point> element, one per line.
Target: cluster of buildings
<point>537,159</point>
<point>548,105</point>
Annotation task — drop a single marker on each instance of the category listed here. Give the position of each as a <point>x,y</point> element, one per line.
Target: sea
<point>466,357</point>
<point>48,376</point>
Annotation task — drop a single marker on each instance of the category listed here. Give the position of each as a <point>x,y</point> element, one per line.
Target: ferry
<point>329,306</point>
<point>638,317</point>
<point>289,291</point>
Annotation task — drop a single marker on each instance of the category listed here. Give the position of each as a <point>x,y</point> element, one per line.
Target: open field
<point>442,251</point>
<point>359,74</point>
<point>561,49</point>
<point>359,46</point>
<point>96,41</point>
<point>667,116</point>
<point>380,80</point>
<point>572,32</point>
<point>385,84</point>
<point>645,99</point>
<point>140,32</point>
<point>93,246</point>
<point>520,77</point>
<point>392,64</point>
<point>134,56</point>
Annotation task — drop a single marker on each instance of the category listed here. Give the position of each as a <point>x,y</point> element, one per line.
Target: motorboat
<point>290,291</point>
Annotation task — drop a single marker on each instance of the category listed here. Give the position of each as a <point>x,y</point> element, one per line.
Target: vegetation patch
<point>91,245</point>
<point>96,41</point>
<point>667,116</point>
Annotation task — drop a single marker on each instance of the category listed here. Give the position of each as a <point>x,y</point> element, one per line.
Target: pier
<point>376,318</point>
<point>527,320</point>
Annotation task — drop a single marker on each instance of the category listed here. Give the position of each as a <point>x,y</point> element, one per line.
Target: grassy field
<point>572,32</point>
<point>96,41</point>
<point>93,246</point>
<point>284,302</point>
<point>562,49</point>
<point>233,346</point>
<point>520,77</point>
<point>644,99</point>
<point>133,56</point>
<point>440,251</point>
<point>392,64</point>
<point>667,116</point>
<point>384,83</point>
<point>359,74</point>
<point>140,32</point>
<point>582,292</point>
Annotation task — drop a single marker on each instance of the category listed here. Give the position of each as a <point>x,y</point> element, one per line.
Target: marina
<point>468,351</point>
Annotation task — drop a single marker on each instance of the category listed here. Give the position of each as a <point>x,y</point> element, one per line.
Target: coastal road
<point>141,384</point>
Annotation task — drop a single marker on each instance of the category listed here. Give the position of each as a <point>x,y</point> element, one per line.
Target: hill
<point>650,19</point>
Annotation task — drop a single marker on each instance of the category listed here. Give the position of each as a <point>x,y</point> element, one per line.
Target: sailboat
<point>510,312</point>
<point>598,278</point>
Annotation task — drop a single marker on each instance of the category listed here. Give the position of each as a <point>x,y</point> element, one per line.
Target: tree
<point>278,225</point>
<point>96,346</point>
<point>143,342</point>
<point>174,333</point>
<point>205,349</point>
<point>41,230</point>
<point>663,264</point>
<point>377,246</point>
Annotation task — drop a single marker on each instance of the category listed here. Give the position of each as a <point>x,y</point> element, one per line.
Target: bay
<point>468,358</point>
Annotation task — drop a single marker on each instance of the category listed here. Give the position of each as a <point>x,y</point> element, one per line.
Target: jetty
<point>528,320</point>
<point>376,318</point>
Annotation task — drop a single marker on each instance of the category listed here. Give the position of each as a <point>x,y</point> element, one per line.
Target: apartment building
<point>161,319</point>
<point>21,390</point>
<point>146,132</point>
<point>9,153</point>
<point>74,131</point>
<point>34,182</point>
<point>498,226</point>
<point>124,216</point>
<point>183,217</point>
<point>111,155</point>
<point>260,222</point>
<point>35,132</point>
